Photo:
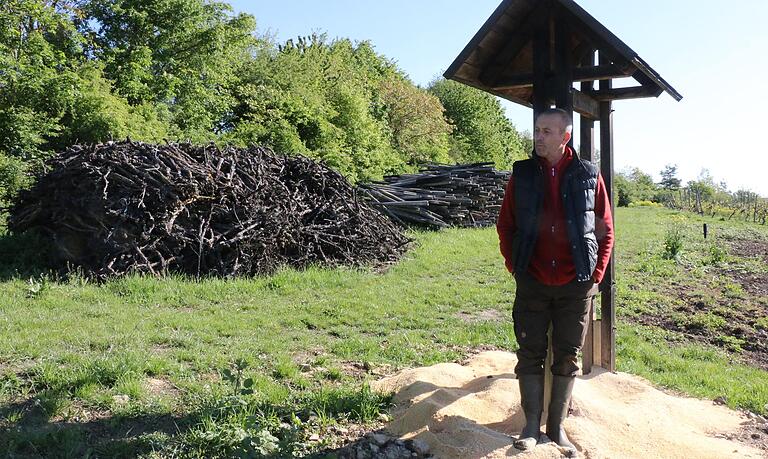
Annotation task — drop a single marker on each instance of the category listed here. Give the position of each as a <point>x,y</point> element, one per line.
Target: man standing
<point>556,235</point>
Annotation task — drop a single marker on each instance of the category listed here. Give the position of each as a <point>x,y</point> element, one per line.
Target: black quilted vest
<point>577,189</point>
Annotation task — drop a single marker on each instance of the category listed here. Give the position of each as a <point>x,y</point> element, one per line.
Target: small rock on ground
<point>380,445</point>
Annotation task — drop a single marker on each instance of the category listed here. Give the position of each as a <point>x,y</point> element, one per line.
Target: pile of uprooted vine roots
<point>441,195</point>
<point>123,207</point>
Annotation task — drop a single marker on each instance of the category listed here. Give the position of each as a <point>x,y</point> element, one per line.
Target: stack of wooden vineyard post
<point>123,207</point>
<point>440,196</point>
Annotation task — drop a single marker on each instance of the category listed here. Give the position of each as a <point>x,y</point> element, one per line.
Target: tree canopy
<point>79,71</point>
<point>482,131</point>
<point>669,180</point>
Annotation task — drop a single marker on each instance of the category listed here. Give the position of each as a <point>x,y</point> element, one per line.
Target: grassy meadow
<point>278,365</point>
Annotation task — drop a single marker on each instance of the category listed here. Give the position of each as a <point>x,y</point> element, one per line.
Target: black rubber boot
<point>532,401</point>
<point>562,386</point>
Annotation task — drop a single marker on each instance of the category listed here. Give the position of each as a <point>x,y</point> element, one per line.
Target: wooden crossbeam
<point>580,74</point>
<point>634,92</point>
<point>515,81</point>
<point>602,72</point>
<point>585,105</point>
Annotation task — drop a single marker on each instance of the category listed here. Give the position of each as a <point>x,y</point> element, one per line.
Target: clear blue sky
<point>710,51</point>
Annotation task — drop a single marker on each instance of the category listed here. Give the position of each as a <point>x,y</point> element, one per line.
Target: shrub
<point>717,255</point>
<point>673,242</point>
<point>645,203</point>
<point>12,177</point>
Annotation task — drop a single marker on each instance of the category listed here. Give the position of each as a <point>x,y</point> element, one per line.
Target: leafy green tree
<point>669,180</point>
<point>97,114</point>
<point>481,130</point>
<point>94,70</point>
<point>182,53</point>
<point>415,117</point>
<point>40,53</point>
<point>327,100</point>
<point>644,186</point>
<point>744,197</point>
<point>623,189</point>
<point>526,141</point>
<point>365,153</point>
<point>704,186</point>
<point>13,178</point>
<point>39,56</point>
<point>634,185</point>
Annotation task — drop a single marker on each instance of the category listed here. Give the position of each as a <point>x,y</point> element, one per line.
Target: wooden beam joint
<point>585,105</point>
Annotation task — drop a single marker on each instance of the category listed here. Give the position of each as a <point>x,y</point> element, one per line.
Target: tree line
<point>704,195</point>
<point>82,71</point>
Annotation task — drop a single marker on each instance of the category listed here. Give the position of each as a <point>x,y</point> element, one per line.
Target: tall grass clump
<point>673,242</point>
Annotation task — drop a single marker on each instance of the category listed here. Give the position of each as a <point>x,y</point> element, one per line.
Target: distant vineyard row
<point>703,196</point>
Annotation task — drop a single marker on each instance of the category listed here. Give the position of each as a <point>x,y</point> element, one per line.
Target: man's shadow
<point>26,431</point>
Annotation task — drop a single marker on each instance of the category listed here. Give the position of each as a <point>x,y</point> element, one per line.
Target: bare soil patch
<point>162,387</point>
<point>707,314</point>
<point>748,248</point>
<point>754,433</point>
<point>486,315</point>
<point>753,283</point>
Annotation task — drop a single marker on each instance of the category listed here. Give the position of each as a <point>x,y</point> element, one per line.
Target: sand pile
<point>471,411</point>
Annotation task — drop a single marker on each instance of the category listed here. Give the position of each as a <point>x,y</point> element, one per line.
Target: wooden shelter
<point>532,52</point>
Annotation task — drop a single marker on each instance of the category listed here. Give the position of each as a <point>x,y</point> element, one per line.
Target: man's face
<point>550,137</point>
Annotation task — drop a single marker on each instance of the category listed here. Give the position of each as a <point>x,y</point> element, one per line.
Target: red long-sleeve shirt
<point>552,260</point>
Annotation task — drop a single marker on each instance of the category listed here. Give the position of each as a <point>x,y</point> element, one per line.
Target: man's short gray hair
<point>564,116</point>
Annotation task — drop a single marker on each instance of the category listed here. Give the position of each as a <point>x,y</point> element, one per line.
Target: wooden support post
<point>608,286</point>
<point>587,125</point>
<point>541,68</point>
<point>563,80</point>
<point>588,350</point>
<point>596,341</point>
<point>587,153</point>
<point>542,100</point>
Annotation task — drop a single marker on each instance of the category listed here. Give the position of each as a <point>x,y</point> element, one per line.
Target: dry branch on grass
<point>134,207</point>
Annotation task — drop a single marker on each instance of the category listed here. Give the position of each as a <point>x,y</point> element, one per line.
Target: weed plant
<point>673,242</point>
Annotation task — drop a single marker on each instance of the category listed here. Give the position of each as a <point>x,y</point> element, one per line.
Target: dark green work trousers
<point>566,307</point>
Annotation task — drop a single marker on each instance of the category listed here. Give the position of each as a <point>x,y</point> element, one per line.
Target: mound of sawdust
<point>473,411</point>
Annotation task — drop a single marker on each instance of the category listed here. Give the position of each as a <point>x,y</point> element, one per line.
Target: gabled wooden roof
<point>499,59</point>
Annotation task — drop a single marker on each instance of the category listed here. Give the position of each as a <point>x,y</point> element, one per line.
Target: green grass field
<point>176,367</point>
